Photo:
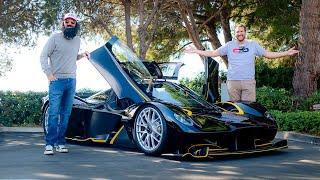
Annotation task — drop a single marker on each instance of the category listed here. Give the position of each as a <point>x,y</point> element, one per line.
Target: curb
<point>21,129</point>
<point>289,135</point>
<point>299,137</point>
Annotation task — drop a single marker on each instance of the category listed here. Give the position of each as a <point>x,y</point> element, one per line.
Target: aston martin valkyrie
<point>144,108</point>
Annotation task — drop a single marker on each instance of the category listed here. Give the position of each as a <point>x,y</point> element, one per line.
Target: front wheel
<point>150,131</point>
<point>45,117</point>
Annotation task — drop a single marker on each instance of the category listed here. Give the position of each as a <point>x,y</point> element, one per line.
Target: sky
<point>26,73</point>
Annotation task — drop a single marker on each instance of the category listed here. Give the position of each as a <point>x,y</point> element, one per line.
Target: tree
<point>147,24</point>
<point>139,19</point>
<point>307,68</point>
<point>20,21</point>
<point>275,23</point>
<point>5,64</point>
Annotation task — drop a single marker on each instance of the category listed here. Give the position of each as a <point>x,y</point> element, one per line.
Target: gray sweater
<point>59,56</point>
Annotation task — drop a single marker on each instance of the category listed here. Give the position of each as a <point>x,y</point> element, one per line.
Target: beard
<point>241,38</point>
<point>70,32</point>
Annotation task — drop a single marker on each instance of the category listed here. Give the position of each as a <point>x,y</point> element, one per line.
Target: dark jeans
<point>61,95</point>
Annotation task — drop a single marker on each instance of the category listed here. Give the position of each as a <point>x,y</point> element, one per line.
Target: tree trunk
<point>189,21</point>
<point>307,67</point>
<point>225,23</point>
<point>214,40</point>
<point>144,23</point>
<point>127,15</point>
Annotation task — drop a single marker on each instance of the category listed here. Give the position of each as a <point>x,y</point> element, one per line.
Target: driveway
<point>21,157</point>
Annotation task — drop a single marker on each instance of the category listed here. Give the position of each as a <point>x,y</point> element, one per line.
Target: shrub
<point>18,108</point>
<point>300,121</point>
<point>24,108</point>
<point>276,99</point>
<point>279,76</point>
<point>307,103</point>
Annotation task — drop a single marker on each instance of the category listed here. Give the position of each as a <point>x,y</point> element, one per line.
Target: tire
<point>150,131</point>
<point>45,116</point>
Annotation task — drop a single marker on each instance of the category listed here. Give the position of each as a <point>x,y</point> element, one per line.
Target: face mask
<point>70,32</point>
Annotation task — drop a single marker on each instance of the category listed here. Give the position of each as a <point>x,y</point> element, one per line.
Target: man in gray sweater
<point>58,61</point>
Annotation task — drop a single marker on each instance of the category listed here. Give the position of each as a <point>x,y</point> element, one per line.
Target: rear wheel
<point>150,131</point>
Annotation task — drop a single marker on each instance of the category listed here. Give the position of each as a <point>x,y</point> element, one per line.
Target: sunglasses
<point>70,22</point>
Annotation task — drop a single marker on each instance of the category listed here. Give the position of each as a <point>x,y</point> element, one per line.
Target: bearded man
<point>58,61</point>
<point>241,54</point>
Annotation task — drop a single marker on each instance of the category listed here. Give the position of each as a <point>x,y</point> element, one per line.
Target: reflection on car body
<point>143,109</point>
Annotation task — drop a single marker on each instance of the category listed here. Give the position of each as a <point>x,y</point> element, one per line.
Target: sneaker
<point>48,150</point>
<point>62,149</point>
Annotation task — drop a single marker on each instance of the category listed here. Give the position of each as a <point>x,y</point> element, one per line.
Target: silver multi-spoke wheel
<point>45,120</point>
<point>150,130</point>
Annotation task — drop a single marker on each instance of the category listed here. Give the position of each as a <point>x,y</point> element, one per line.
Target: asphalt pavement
<point>21,157</point>
<point>289,135</point>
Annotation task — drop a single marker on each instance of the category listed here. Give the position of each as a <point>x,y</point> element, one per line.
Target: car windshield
<point>130,62</point>
<point>178,95</point>
<point>160,90</point>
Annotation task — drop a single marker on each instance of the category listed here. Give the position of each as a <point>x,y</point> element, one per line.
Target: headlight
<point>183,119</point>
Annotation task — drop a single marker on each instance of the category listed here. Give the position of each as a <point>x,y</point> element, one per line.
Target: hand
<point>51,77</point>
<point>292,51</point>
<point>86,54</point>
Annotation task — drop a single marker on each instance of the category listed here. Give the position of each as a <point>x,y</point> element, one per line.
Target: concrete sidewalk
<point>21,129</point>
<point>289,135</point>
<point>299,137</point>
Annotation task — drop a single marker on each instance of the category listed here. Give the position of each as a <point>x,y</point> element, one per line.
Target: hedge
<point>24,109</point>
<point>300,121</point>
<point>18,108</point>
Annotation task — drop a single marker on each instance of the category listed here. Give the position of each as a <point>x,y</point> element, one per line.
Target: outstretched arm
<point>82,55</point>
<point>272,55</point>
<point>213,53</point>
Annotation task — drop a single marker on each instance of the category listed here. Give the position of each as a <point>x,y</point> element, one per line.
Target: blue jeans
<point>61,95</point>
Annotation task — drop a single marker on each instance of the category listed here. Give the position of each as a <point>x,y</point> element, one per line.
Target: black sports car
<point>144,108</point>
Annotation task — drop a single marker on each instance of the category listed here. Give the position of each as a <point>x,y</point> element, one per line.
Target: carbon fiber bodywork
<point>181,121</point>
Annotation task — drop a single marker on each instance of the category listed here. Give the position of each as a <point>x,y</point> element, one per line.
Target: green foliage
<point>313,99</point>
<point>24,108</point>
<point>282,100</point>
<point>20,20</point>
<point>194,84</point>
<point>223,76</point>
<point>276,77</point>
<point>275,23</point>
<point>300,121</point>
<point>17,108</point>
<point>276,99</point>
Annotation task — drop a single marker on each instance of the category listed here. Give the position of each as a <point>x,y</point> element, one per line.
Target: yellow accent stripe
<point>189,113</point>
<point>207,150</point>
<point>116,135</point>
<point>88,139</point>
<point>234,153</point>
<point>241,112</point>
<point>249,152</point>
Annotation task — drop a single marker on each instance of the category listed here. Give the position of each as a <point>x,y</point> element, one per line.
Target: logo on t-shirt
<point>241,49</point>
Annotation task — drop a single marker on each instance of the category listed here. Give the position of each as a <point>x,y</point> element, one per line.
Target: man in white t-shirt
<point>241,55</point>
